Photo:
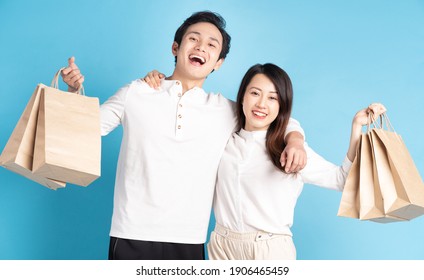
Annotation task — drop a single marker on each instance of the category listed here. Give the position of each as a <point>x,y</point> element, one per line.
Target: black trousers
<point>126,249</point>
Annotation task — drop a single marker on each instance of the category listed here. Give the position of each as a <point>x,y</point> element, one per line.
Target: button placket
<point>179,114</point>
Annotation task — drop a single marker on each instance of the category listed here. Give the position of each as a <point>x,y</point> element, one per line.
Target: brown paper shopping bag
<point>381,181</point>
<point>349,203</point>
<point>17,155</point>
<point>362,197</point>
<point>406,201</point>
<point>67,144</point>
<point>370,199</point>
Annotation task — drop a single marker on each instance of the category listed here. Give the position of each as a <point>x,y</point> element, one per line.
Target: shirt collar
<point>255,135</point>
<point>175,87</point>
<point>167,85</point>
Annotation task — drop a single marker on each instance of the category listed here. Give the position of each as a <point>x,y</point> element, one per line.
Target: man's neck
<point>187,84</point>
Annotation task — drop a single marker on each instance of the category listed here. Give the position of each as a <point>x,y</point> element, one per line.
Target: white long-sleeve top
<point>171,147</point>
<point>252,194</point>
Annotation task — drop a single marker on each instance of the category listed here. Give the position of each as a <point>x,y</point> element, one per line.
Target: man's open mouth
<point>197,59</point>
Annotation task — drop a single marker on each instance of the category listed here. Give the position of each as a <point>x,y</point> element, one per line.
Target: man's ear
<point>174,48</point>
<point>218,64</point>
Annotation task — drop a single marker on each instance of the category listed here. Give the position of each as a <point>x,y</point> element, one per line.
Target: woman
<point>254,198</point>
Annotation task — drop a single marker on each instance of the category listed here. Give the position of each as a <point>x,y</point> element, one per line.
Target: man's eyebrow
<point>198,33</point>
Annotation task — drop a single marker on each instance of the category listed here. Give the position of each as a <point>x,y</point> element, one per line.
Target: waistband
<point>246,236</point>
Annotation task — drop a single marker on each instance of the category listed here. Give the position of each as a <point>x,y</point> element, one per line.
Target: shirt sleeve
<point>112,111</point>
<point>318,171</point>
<point>294,125</point>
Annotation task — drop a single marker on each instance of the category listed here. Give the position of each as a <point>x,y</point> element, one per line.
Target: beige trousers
<point>225,244</point>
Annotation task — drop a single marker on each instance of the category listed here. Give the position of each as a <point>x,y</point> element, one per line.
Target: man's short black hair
<point>206,16</point>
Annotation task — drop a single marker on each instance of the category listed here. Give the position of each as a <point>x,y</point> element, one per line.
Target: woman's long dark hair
<point>275,135</point>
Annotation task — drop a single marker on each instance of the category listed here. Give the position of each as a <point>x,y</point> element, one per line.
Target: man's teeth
<point>202,60</point>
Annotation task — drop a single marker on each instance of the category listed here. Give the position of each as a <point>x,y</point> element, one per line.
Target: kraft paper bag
<point>370,199</point>
<point>381,180</point>
<point>68,141</point>
<point>349,203</point>
<point>17,155</point>
<point>407,200</point>
<point>362,197</point>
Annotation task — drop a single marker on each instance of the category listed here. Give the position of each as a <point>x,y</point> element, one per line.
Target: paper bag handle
<point>384,122</point>
<point>55,83</point>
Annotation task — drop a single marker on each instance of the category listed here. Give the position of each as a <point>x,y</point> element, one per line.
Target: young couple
<point>180,142</point>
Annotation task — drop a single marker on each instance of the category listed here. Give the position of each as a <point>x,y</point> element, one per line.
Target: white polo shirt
<point>252,194</point>
<point>168,161</point>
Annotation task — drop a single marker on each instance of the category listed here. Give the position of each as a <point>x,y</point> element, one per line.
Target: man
<point>173,139</point>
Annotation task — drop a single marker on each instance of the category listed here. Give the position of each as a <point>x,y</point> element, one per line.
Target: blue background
<point>341,56</point>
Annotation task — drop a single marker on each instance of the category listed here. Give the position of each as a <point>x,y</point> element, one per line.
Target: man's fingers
<point>294,164</point>
<point>294,160</point>
<point>300,162</point>
<point>66,71</point>
<point>75,79</point>
<point>72,74</point>
<point>69,73</point>
<point>80,81</point>
<point>283,159</point>
<point>289,162</point>
<point>71,61</point>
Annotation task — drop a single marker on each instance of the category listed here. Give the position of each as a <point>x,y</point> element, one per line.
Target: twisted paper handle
<point>384,122</point>
<point>55,83</point>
